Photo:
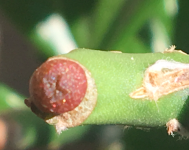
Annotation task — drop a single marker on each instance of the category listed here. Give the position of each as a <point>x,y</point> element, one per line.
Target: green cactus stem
<point>117,75</point>
<point>146,90</point>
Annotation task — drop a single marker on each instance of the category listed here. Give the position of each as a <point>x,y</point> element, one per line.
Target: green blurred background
<point>32,31</point>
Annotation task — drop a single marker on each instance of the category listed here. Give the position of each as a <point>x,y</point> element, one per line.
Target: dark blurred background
<point>32,31</point>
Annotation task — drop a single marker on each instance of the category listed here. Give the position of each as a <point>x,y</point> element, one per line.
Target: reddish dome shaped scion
<point>58,85</point>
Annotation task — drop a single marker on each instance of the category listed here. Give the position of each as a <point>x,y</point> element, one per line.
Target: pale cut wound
<point>162,78</point>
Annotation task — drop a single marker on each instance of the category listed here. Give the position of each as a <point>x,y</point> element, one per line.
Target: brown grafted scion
<point>58,86</point>
<point>62,92</point>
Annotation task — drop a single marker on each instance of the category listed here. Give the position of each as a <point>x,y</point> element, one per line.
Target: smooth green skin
<point>116,76</point>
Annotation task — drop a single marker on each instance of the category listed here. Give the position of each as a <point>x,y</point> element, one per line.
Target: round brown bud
<point>64,91</point>
<point>58,86</point>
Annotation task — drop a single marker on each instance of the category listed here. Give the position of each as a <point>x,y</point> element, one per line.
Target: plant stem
<point>117,75</point>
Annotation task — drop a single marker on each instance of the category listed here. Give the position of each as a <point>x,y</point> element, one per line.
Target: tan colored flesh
<point>116,51</point>
<point>174,126</point>
<point>162,78</point>
<point>172,49</point>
